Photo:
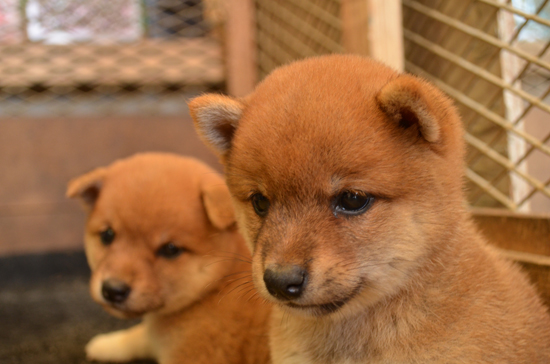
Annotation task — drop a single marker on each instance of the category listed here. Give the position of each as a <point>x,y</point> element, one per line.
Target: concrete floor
<point>46,313</point>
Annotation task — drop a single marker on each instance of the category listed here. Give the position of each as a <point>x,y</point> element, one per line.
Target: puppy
<point>347,181</point>
<point>157,227</point>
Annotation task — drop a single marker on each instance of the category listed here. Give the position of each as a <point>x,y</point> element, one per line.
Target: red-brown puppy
<point>347,181</point>
<point>161,242</point>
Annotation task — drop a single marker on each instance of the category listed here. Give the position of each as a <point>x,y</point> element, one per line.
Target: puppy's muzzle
<point>115,291</point>
<point>285,282</point>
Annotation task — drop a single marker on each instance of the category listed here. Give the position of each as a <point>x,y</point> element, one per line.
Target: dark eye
<point>107,236</point>
<point>352,203</point>
<point>260,203</point>
<point>169,250</point>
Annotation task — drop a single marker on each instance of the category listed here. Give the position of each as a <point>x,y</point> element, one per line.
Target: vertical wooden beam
<point>23,20</point>
<point>511,66</point>
<point>374,28</point>
<point>240,47</point>
<point>386,32</point>
<point>355,26</point>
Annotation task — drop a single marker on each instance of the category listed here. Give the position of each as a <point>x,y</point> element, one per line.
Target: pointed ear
<point>216,118</point>
<point>217,201</point>
<point>86,188</point>
<point>409,101</point>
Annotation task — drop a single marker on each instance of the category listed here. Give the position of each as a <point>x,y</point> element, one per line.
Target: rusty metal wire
<point>491,57</point>
<point>102,56</point>
<point>292,29</point>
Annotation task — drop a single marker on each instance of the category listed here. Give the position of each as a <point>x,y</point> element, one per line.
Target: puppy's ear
<point>409,101</point>
<point>217,201</point>
<point>86,188</point>
<point>216,118</point>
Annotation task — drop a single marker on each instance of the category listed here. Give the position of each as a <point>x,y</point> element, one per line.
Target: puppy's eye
<point>169,250</point>
<point>352,203</point>
<point>107,236</point>
<point>260,203</point>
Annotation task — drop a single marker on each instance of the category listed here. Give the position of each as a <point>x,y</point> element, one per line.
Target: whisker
<point>236,253</point>
<point>226,260</point>
<point>240,290</point>
<point>232,255</point>
<point>229,280</point>
<point>233,281</point>
<point>234,288</point>
<point>254,295</point>
<point>238,279</point>
<point>241,272</point>
<point>243,258</point>
<point>243,296</point>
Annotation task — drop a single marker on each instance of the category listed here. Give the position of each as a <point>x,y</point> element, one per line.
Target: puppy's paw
<point>109,347</point>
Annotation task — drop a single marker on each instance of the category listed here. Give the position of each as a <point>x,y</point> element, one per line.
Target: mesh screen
<point>292,29</point>
<point>491,57</point>
<point>99,56</point>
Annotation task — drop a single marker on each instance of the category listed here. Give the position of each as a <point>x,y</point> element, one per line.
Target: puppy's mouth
<point>325,308</point>
<point>321,309</point>
<point>125,311</point>
<point>121,311</point>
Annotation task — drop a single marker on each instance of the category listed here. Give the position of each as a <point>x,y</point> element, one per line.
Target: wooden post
<point>355,26</point>
<point>514,106</point>
<point>523,238</point>
<point>240,47</point>
<point>374,28</point>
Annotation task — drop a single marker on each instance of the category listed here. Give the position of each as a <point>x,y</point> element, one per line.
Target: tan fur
<point>196,307</point>
<point>409,280</point>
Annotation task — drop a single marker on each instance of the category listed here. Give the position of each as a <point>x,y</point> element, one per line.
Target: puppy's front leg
<point>120,346</point>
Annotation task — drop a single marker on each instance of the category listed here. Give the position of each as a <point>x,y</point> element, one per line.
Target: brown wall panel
<point>39,156</point>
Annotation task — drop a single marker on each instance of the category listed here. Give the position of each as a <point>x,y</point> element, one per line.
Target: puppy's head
<point>154,223</point>
<point>346,177</point>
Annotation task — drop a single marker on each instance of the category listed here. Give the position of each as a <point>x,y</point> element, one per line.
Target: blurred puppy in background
<point>157,227</point>
<point>347,181</point>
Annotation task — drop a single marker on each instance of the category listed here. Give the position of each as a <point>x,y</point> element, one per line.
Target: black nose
<point>285,282</point>
<point>115,291</point>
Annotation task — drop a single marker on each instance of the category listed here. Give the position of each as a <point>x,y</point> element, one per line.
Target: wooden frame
<point>240,47</point>
<point>524,238</point>
<point>374,28</point>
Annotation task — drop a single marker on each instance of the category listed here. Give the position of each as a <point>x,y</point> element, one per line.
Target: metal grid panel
<point>101,56</point>
<point>292,29</point>
<point>491,57</point>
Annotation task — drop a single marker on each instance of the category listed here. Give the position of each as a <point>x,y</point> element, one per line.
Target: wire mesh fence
<point>101,56</point>
<point>491,57</point>
<point>292,29</point>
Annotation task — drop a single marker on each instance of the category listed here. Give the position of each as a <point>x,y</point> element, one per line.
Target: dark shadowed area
<point>46,312</point>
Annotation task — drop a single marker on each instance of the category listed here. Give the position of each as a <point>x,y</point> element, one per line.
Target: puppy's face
<point>344,176</point>
<point>154,225</point>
